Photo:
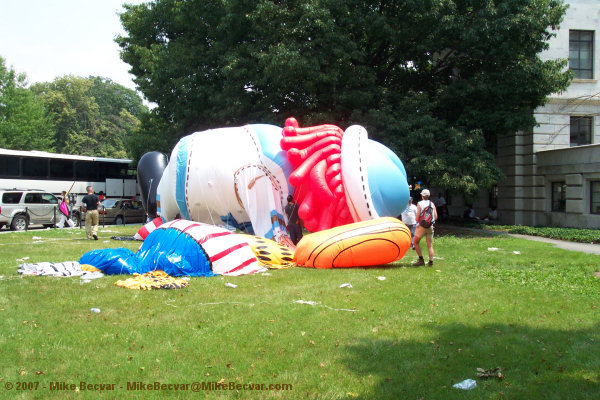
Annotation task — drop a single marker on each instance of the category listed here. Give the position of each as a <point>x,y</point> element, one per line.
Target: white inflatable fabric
<point>224,174</point>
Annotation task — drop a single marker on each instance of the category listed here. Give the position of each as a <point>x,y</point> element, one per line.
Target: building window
<point>581,54</point>
<point>559,196</point>
<point>595,197</point>
<point>581,131</point>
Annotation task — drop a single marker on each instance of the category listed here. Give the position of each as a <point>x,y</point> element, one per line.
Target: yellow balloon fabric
<point>269,253</point>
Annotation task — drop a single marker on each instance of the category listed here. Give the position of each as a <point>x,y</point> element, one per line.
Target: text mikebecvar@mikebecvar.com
<point>144,386</point>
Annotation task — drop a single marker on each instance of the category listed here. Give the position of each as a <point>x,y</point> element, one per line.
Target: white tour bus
<point>54,173</point>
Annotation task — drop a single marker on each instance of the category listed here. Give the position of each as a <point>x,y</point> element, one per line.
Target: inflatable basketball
<point>360,244</point>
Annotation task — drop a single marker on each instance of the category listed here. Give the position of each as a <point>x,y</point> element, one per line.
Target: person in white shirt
<point>409,217</point>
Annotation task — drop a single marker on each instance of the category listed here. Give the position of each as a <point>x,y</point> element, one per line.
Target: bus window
<point>9,166</point>
<point>113,170</point>
<point>61,169</point>
<point>86,170</point>
<point>35,167</point>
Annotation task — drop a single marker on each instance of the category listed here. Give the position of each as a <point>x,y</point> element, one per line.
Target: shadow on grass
<point>464,232</point>
<point>536,363</point>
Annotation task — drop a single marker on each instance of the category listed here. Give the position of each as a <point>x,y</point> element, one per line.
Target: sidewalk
<point>573,246</point>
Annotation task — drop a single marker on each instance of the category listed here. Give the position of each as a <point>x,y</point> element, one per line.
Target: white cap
<point>425,192</point>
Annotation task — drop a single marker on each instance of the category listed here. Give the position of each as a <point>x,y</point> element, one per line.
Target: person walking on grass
<point>65,208</point>
<point>426,216</point>
<point>91,203</point>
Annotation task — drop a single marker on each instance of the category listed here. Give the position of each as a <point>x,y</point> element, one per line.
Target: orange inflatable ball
<point>361,244</point>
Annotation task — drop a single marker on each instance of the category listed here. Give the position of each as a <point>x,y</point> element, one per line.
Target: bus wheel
<point>19,223</point>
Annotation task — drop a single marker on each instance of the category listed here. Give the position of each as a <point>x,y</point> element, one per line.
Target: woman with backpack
<point>426,216</point>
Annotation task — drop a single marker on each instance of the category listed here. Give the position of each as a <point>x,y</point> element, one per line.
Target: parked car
<point>121,211</point>
<point>21,207</point>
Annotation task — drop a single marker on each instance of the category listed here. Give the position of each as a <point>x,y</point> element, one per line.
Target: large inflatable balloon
<point>241,177</point>
<point>181,248</point>
<point>360,244</point>
<point>149,171</point>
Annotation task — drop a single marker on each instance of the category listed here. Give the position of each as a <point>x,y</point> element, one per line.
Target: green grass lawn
<point>489,301</point>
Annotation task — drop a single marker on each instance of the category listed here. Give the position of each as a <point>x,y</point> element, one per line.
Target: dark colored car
<point>121,211</point>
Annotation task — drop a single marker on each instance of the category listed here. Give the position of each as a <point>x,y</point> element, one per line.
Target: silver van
<point>21,207</point>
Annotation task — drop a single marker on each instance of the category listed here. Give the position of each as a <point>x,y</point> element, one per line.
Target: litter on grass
<point>516,252</point>
<point>62,269</point>
<point>490,373</point>
<point>348,285</point>
<point>314,303</point>
<point>467,384</point>
<point>122,238</point>
<point>231,285</point>
<point>381,278</point>
<point>493,249</point>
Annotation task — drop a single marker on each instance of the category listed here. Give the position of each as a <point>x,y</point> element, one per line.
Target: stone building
<point>552,174</point>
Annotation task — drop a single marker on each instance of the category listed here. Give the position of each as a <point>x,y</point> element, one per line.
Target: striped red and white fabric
<point>146,229</point>
<point>228,252</point>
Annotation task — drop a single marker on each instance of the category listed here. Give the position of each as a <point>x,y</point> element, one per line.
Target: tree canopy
<point>23,123</point>
<point>91,116</point>
<point>87,116</point>
<point>436,80</point>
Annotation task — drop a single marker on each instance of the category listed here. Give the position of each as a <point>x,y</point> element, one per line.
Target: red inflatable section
<point>314,152</point>
<point>150,227</point>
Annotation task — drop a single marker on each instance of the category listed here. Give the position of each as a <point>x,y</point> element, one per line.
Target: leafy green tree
<point>436,80</point>
<point>23,122</point>
<point>92,116</point>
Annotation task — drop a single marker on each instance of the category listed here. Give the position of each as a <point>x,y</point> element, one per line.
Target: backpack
<point>426,217</point>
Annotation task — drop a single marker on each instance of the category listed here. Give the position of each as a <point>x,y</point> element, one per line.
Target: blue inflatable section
<point>112,261</point>
<point>182,159</point>
<point>269,137</point>
<point>387,180</point>
<point>168,250</point>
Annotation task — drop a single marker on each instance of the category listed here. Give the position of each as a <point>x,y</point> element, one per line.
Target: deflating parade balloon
<point>361,244</point>
<point>241,177</point>
<point>149,171</point>
<point>181,248</point>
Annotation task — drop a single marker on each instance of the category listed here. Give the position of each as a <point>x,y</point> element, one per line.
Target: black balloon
<point>149,171</point>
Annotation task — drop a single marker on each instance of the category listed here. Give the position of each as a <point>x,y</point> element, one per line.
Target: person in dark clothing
<point>91,203</point>
<point>294,224</point>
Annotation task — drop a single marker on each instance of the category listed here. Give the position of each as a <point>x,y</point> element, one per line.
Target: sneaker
<point>95,237</point>
<point>419,263</point>
<point>430,263</point>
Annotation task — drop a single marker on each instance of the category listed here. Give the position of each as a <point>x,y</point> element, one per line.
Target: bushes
<point>569,234</point>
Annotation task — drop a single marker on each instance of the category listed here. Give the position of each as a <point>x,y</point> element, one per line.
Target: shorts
<point>425,232</point>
